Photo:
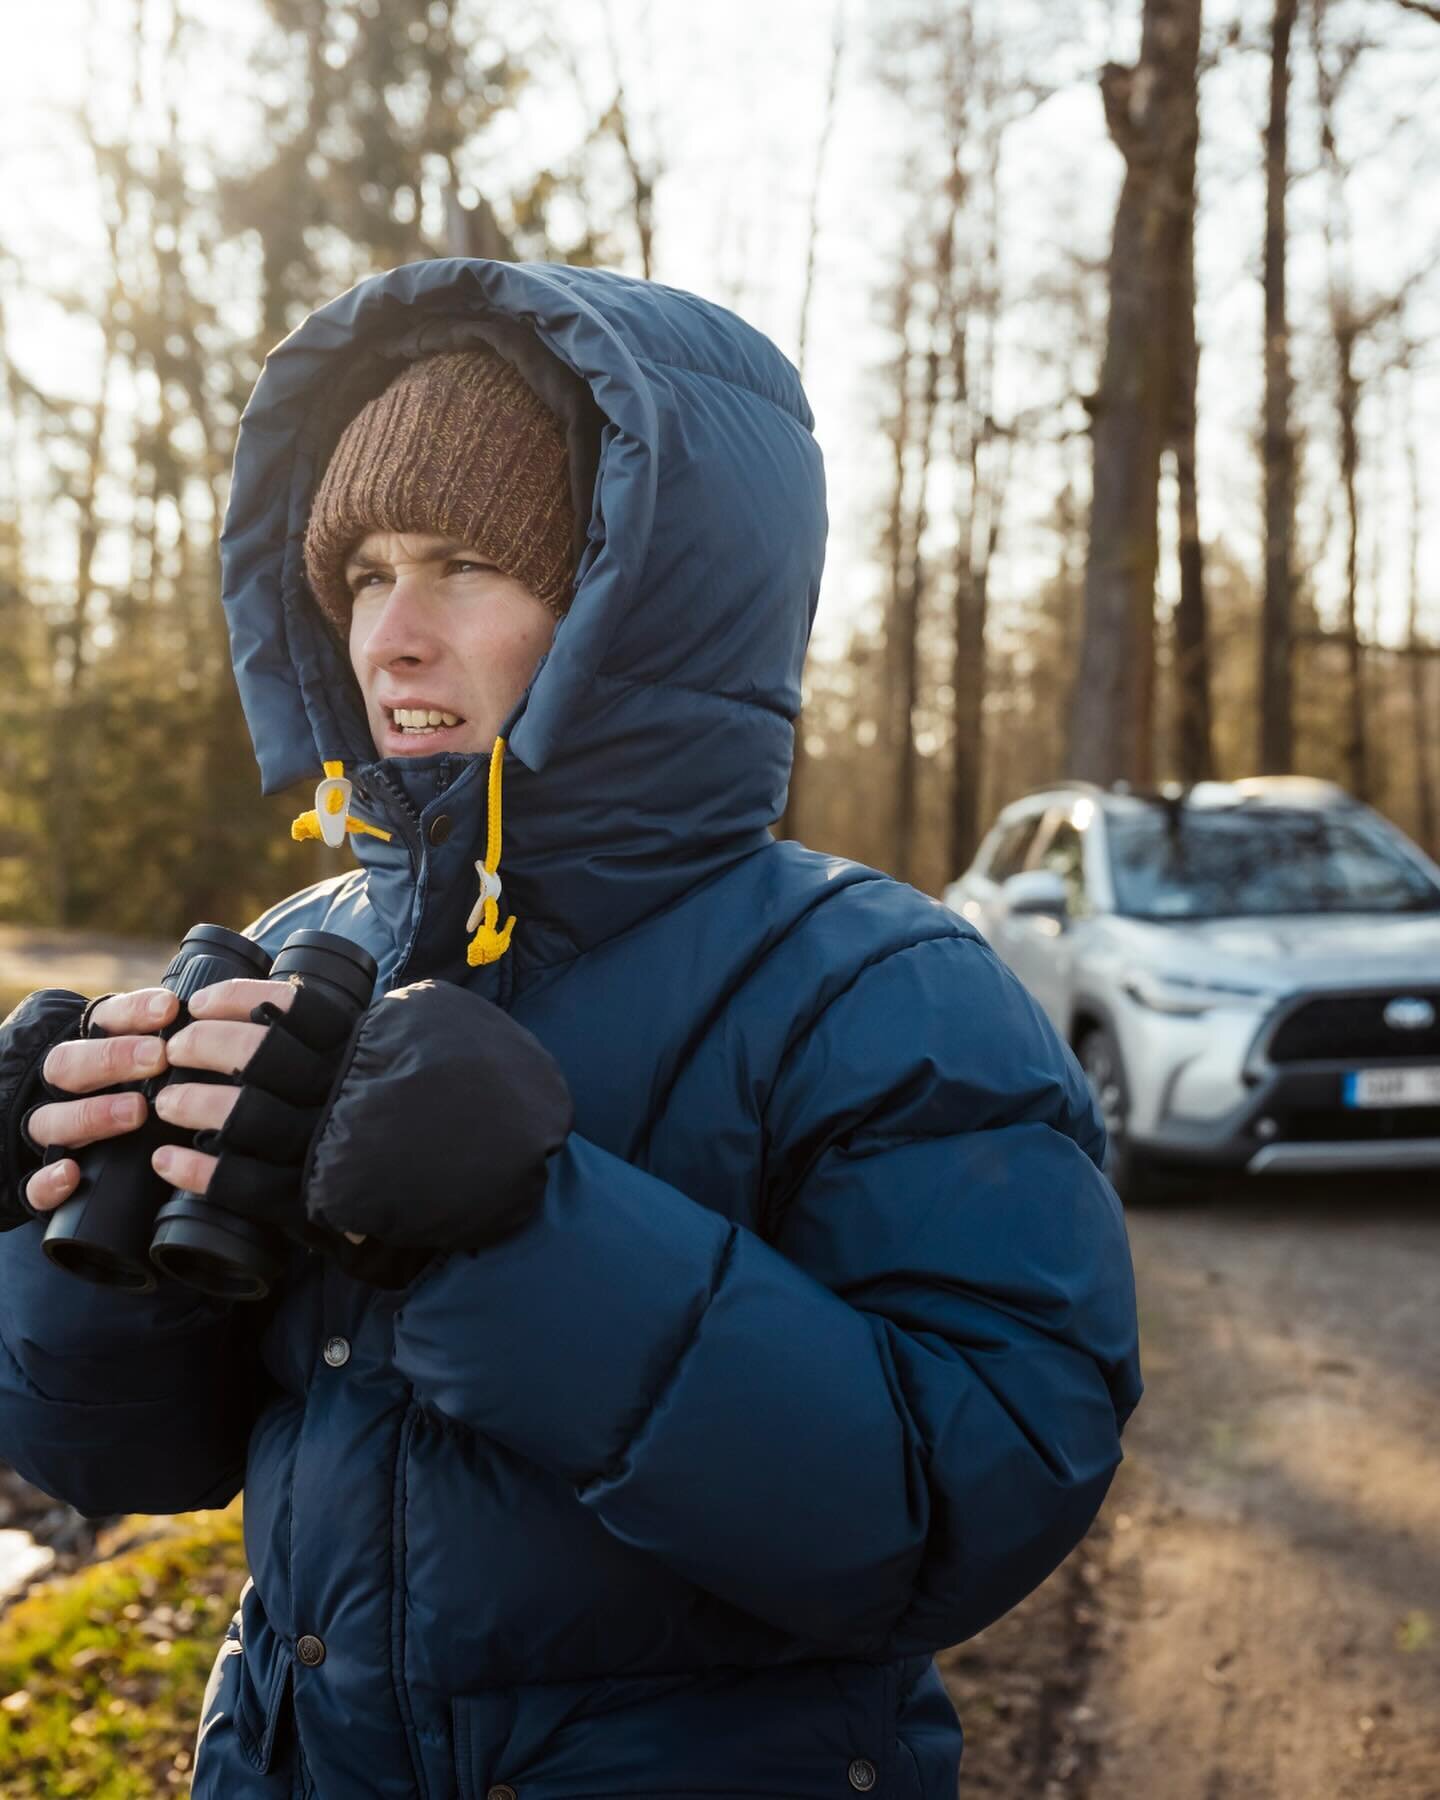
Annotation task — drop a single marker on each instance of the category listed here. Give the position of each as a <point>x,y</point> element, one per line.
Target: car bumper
<point>1294,1120</point>
<point>1322,1158</point>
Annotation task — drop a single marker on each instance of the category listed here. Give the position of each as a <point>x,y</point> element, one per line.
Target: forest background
<point>1120,323</point>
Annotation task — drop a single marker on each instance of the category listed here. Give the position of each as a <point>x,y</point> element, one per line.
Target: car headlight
<point>1188,995</point>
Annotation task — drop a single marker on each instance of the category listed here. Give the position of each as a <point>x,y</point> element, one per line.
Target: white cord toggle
<point>490,889</point>
<point>332,803</point>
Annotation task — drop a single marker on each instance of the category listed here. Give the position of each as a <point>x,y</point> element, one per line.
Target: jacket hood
<point>654,745</point>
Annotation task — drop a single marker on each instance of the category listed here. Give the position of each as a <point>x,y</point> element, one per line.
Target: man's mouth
<point>419,724</point>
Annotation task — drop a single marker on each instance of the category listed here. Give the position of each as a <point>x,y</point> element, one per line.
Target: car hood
<point>1295,950</point>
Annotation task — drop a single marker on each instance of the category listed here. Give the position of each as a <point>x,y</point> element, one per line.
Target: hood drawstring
<point>330,820</point>
<point>490,942</point>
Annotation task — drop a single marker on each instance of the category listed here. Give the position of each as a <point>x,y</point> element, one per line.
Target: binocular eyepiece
<point>123,1222</point>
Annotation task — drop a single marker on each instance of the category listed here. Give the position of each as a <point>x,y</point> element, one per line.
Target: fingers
<point>88,1064</point>
<point>223,1046</point>
<point>236,999</point>
<point>48,1187</point>
<point>190,1169</point>
<point>195,1105</point>
<point>147,1009</point>
<point>75,1123</point>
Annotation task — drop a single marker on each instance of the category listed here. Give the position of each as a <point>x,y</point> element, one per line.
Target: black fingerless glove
<point>425,1126</point>
<point>41,1020</point>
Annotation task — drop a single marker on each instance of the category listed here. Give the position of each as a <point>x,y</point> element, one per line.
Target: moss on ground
<point>102,1673</point>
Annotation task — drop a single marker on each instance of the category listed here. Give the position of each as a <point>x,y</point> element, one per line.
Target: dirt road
<point>1257,1614</point>
<point>88,962</point>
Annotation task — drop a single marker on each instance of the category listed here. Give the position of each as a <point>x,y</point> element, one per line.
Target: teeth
<point>416,718</point>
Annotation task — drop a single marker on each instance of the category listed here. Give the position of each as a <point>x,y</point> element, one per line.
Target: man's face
<point>437,629</point>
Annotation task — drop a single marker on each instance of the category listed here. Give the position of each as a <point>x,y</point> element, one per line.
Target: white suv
<point>1249,972</point>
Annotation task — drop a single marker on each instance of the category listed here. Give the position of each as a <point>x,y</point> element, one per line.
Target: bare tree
<point>1277,686</point>
<point>788,826</point>
<point>1194,754</point>
<point>1419,662</point>
<point>1346,326</point>
<point>982,449</point>
<point>896,541</point>
<point>644,172</point>
<point>1150,111</point>
<point>1352,322</point>
<point>474,230</point>
<point>909,596</point>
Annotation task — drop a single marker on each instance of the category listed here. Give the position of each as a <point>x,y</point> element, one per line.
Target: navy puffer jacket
<point>815,1358</point>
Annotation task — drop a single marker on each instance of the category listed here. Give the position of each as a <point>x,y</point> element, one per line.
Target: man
<point>779,1328</point>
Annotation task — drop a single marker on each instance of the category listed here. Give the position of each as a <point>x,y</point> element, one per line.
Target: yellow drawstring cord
<point>332,796</point>
<point>490,942</point>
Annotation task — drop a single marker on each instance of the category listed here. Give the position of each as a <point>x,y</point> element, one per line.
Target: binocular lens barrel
<point>123,1222</point>
<point>208,1247</point>
<point>102,1232</point>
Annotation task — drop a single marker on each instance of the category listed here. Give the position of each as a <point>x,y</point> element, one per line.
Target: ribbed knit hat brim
<point>458,445</point>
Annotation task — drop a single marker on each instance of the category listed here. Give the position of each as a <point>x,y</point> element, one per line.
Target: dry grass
<point>102,1672</point>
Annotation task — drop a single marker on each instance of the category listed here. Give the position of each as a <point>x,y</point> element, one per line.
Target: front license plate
<point>1393,1087</point>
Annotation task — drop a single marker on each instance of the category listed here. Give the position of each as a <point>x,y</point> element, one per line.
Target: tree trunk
<point>909,602</point>
<point>1193,748</point>
<point>474,230</point>
<point>1419,665</point>
<point>1347,398</point>
<point>789,819</point>
<point>896,536</point>
<point>978,527</point>
<point>1277,683</point>
<point>1150,110</point>
<point>968,682</point>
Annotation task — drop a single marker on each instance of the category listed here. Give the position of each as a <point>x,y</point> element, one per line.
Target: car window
<point>1064,855</point>
<point>1008,857</point>
<point>1260,861</point>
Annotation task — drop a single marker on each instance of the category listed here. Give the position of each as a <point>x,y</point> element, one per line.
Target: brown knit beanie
<point>460,445</point>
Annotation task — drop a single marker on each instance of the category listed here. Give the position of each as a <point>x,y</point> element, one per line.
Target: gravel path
<point>87,962</point>
<point>1257,1613</point>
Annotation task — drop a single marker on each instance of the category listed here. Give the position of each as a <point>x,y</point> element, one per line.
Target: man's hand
<point>427,1127</point>
<point>129,1052</point>
<point>219,1038</point>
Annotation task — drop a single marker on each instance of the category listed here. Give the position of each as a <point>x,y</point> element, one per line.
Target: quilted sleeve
<point>112,1401</point>
<point>883,1426</point>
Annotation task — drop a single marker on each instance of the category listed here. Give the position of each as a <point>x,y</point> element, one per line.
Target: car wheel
<point>1100,1058</point>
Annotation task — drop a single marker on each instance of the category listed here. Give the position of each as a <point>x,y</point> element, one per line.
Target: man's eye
<point>363,580</point>
<point>466,562</point>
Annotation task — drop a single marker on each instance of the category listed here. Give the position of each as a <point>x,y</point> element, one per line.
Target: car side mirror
<point>1037,893</point>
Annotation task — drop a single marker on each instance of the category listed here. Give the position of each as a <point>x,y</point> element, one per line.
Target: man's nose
<point>403,629</point>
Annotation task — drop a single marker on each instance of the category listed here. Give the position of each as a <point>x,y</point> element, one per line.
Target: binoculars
<point>123,1222</point>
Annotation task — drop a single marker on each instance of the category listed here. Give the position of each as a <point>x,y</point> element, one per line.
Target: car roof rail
<point>1066,784</point>
<point>1296,790</point>
<point>1249,790</point>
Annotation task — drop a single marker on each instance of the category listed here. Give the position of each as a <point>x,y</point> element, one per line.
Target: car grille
<point>1346,1126</point>
<point>1352,1028</point>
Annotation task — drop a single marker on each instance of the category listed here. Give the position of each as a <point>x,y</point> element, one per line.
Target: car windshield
<point>1209,865</point>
